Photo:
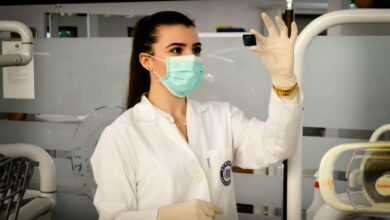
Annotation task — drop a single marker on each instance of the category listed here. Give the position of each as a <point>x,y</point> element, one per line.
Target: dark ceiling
<point>40,2</point>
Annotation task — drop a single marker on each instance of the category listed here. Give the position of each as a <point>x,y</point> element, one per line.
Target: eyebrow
<point>183,44</point>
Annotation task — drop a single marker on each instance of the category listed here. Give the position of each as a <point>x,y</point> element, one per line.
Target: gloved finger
<point>258,50</point>
<point>258,35</point>
<point>206,210</point>
<point>294,32</point>
<point>282,26</point>
<point>212,206</point>
<point>269,24</point>
<point>202,216</point>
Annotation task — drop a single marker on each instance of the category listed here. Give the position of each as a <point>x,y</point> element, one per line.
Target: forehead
<point>167,34</point>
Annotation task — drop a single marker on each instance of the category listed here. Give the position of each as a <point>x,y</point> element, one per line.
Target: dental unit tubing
<point>26,44</point>
<point>47,170</point>
<point>320,24</point>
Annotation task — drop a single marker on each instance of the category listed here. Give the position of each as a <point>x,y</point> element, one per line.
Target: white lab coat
<point>142,161</point>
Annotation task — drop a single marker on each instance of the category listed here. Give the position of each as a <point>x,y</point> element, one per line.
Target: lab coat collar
<point>146,111</point>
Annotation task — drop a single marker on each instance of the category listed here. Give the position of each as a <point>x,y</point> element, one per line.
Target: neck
<point>164,100</point>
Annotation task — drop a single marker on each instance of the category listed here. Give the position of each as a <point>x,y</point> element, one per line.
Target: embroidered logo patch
<point>226,172</point>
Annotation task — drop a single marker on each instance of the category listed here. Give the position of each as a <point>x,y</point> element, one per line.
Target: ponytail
<point>144,37</point>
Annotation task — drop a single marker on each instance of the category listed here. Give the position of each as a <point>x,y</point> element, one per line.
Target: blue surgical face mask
<point>184,73</point>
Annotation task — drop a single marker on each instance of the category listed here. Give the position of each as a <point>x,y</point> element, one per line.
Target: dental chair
<point>18,162</point>
<point>368,181</point>
<point>17,165</point>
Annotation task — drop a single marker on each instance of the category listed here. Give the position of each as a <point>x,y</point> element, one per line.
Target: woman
<point>169,157</point>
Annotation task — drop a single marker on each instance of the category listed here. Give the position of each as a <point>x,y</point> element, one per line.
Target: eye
<point>197,51</point>
<point>176,50</point>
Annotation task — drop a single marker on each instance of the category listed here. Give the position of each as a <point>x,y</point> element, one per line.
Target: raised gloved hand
<point>277,51</point>
<point>191,210</point>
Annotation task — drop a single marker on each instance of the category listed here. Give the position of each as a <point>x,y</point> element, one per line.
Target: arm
<point>114,169</point>
<point>258,144</point>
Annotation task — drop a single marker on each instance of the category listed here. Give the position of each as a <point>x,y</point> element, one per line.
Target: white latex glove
<point>191,210</point>
<point>277,51</point>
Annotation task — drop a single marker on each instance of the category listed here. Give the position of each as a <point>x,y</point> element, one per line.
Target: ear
<point>145,60</point>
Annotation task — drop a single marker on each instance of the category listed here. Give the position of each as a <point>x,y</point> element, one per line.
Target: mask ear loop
<point>159,78</point>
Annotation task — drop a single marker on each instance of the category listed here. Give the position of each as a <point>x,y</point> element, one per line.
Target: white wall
<point>207,14</point>
<point>112,26</point>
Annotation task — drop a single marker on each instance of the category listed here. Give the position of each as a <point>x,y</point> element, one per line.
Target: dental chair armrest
<point>33,209</point>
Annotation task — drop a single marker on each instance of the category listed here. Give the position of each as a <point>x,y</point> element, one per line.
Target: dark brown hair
<point>144,36</point>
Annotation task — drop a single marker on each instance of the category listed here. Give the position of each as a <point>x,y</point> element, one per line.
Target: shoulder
<point>128,118</point>
<point>120,130</point>
<point>117,133</point>
<point>114,141</point>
